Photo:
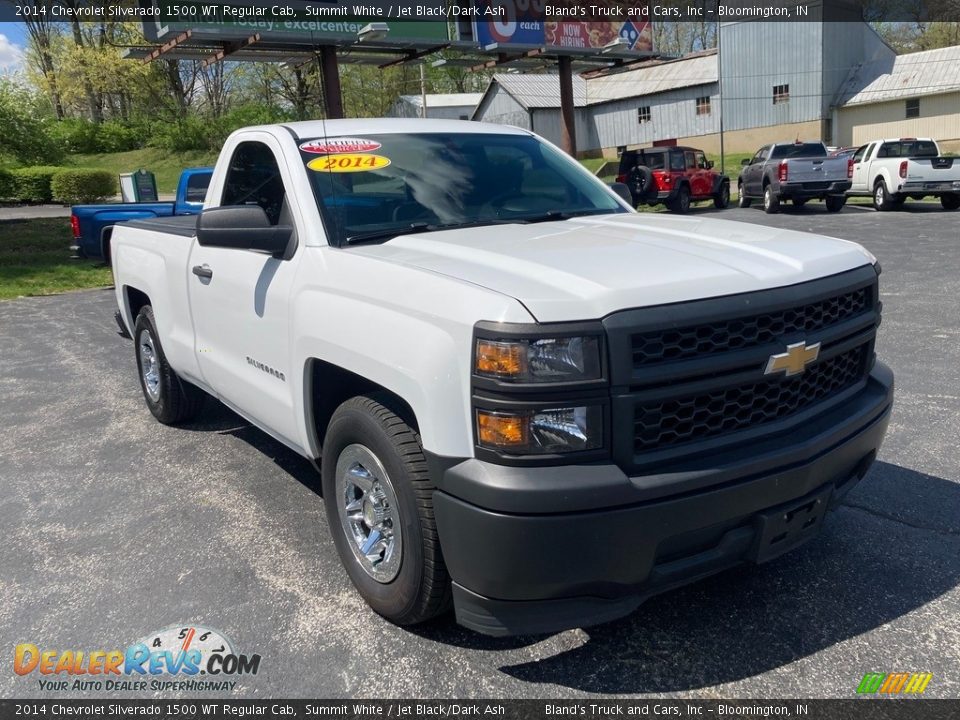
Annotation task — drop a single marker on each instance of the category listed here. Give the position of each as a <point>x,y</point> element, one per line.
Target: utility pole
<point>423,91</point>
<point>723,163</point>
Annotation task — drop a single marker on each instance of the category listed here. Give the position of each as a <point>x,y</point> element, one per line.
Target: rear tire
<point>771,203</point>
<point>835,203</point>
<point>722,199</point>
<point>171,399</point>
<point>950,201</point>
<point>742,200</point>
<point>882,200</point>
<point>681,203</point>
<point>376,485</point>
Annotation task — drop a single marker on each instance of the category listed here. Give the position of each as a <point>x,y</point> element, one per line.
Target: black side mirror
<point>623,192</point>
<point>242,227</point>
<point>744,162</point>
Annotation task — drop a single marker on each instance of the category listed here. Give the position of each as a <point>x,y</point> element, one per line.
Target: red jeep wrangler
<point>675,176</point>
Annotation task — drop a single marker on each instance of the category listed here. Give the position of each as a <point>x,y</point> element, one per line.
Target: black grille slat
<point>692,418</point>
<point>671,344</point>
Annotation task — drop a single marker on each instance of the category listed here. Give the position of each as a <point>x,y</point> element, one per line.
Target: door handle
<point>202,271</point>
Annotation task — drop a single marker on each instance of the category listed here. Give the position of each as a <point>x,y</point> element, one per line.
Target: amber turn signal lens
<point>501,359</point>
<point>504,431</point>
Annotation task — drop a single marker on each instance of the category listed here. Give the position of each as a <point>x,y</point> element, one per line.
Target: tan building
<point>914,95</point>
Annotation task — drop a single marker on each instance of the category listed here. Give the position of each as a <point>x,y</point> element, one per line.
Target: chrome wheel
<point>369,512</point>
<point>149,365</point>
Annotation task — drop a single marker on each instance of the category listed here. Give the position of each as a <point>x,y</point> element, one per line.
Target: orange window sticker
<point>348,162</point>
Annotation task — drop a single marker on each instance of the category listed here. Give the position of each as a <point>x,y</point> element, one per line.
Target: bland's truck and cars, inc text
<point>526,400</point>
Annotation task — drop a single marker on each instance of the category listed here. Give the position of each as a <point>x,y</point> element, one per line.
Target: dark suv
<point>675,176</point>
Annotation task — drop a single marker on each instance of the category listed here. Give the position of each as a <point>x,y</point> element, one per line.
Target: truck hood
<point>586,268</point>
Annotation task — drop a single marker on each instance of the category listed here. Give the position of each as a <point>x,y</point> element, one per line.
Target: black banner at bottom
<point>886,709</point>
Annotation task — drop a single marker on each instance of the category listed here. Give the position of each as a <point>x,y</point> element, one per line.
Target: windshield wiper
<point>421,227</point>
<point>566,215</point>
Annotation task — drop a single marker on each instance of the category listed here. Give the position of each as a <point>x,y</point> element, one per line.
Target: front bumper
<point>529,551</point>
<point>810,191</point>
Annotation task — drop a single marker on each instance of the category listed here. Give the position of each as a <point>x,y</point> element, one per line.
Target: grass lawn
<point>165,165</point>
<point>35,260</point>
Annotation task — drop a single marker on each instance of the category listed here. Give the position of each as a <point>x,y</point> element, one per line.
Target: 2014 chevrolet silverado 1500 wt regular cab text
<point>526,400</point>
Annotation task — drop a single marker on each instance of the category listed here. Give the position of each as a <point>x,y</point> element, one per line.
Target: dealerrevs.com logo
<point>183,657</point>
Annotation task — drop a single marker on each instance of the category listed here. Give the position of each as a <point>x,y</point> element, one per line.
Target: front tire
<point>950,201</point>
<point>835,203</point>
<point>742,200</point>
<point>379,506</point>
<point>171,399</point>
<point>771,203</point>
<point>722,199</point>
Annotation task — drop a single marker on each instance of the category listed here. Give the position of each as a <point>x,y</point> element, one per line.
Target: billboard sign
<point>637,34</point>
<point>521,24</point>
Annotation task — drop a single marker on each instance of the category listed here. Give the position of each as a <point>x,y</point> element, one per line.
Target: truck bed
<point>183,225</point>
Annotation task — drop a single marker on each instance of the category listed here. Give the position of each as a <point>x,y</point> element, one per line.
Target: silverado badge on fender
<point>794,361</point>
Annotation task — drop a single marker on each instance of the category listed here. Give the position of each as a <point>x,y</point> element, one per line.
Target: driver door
<point>240,299</point>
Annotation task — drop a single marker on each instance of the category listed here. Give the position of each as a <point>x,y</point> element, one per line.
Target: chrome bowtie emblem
<point>794,361</point>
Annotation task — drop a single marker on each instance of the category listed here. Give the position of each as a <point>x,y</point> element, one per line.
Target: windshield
<point>799,150</point>
<point>377,186</point>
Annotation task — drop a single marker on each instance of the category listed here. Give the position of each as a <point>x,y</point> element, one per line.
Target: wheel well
<point>331,386</point>
<point>766,181</point>
<point>136,299</point>
<point>877,181</point>
<point>105,236</point>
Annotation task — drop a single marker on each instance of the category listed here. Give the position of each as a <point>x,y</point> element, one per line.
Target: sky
<point>12,42</point>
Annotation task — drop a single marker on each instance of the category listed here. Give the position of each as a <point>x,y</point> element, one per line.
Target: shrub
<point>6,184</point>
<point>191,133</point>
<point>82,186</point>
<point>75,135</point>
<point>32,184</point>
<point>117,137</point>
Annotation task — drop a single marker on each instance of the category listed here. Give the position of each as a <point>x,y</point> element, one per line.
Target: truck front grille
<point>689,378</point>
<point>694,417</point>
<point>743,332</point>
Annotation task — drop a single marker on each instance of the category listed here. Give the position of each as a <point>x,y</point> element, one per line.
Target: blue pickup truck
<point>93,224</point>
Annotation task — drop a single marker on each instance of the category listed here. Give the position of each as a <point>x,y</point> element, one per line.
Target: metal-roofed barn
<point>442,106</point>
<point>915,95</point>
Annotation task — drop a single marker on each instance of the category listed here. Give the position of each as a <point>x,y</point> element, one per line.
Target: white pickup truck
<point>526,400</point>
<point>892,170</point>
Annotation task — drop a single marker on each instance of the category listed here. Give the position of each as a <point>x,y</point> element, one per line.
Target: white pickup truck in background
<point>890,171</point>
<point>526,400</point>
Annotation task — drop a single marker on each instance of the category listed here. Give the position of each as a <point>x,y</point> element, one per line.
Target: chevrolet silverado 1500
<point>890,171</point>
<point>525,400</point>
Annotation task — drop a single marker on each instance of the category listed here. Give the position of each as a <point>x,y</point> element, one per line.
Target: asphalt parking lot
<point>116,526</point>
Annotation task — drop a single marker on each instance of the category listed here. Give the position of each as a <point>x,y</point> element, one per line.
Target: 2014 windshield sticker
<point>351,162</point>
<point>178,658</point>
<point>331,146</point>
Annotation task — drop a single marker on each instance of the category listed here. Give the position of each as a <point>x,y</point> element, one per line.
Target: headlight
<point>539,360</point>
<point>541,432</point>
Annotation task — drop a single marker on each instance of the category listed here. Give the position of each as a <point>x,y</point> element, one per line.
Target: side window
<point>760,156</point>
<point>701,161</point>
<point>253,178</point>
<point>197,187</point>
<point>691,159</point>
<point>677,161</point>
<point>860,153</point>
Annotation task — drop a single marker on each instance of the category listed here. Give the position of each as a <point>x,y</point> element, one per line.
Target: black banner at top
<point>585,709</point>
<point>506,11</point>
